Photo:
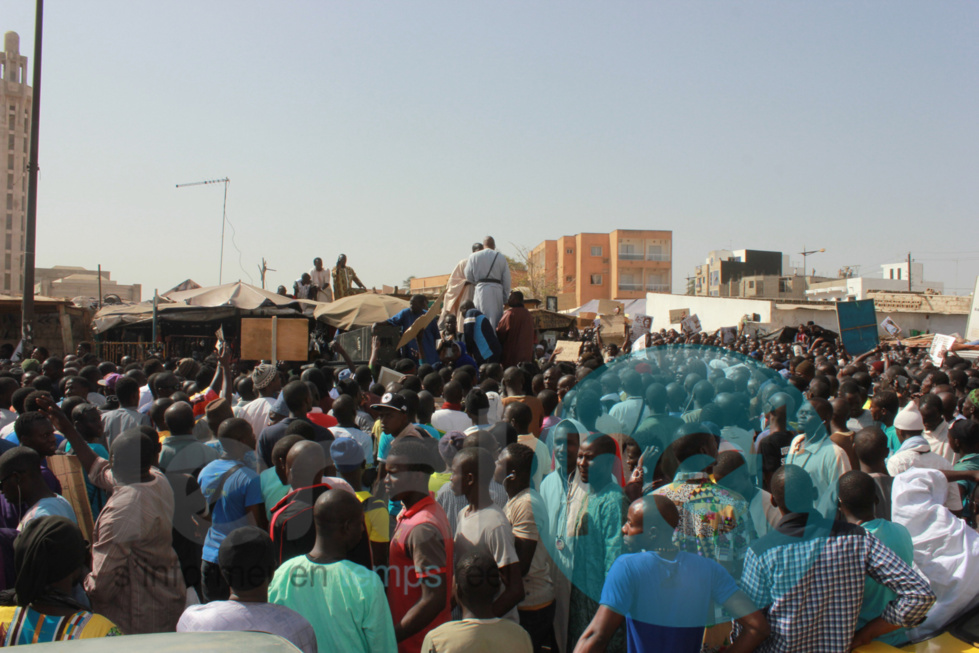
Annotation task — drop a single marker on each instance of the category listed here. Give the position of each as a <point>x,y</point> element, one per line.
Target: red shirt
<point>405,581</point>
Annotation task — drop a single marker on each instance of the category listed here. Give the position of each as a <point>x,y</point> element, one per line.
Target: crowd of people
<point>680,493</point>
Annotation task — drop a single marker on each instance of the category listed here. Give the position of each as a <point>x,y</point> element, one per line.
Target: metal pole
<point>100,286</point>
<point>909,271</point>
<point>156,297</point>
<point>224,212</point>
<point>275,338</point>
<point>30,237</point>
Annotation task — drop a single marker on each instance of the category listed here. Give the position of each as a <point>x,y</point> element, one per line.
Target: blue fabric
<point>481,337</point>
<point>666,603</point>
<point>404,319</point>
<point>96,495</point>
<point>243,488</point>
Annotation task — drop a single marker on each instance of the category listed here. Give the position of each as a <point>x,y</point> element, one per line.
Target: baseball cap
<point>392,401</point>
<point>347,454</point>
<point>110,381</point>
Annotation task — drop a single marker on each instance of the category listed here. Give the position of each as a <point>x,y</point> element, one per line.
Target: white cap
<point>909,419</point>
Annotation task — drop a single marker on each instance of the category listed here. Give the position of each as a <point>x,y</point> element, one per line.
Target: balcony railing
<point>657,287</point>
<point>657,257</point>
<point>630,287</point>
<point>631,256</point>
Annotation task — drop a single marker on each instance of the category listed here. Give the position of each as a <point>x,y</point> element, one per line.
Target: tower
<point>15,102</point>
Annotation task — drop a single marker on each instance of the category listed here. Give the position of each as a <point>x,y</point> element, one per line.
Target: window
<point>10,202</point>
<point>10,142</point>
<point>10,221</point>
<point>10,161</point>
<point>656,253</point>
<point>7,243</point>
<point>568,279</point>
<point>596,279</point>
<point>596,250</point>
<point>6,281</point>
<point>12,122</point>
<point>569,251</point>
<point>629,252</point>
<point>751,284</point>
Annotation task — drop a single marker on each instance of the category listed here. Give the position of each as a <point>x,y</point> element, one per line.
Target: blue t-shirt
<point>429,335</point>
<point>666,603</point>
<point>242,488</point>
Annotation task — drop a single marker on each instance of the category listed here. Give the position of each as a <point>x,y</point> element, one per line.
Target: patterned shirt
<point>714,521</point>
<point>809,575</point>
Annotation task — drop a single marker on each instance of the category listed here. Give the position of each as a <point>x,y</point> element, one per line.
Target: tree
<point>535,276</point>
<point>407,283</point>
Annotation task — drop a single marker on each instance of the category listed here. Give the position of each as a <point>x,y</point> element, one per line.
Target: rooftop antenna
<point>224,210</point>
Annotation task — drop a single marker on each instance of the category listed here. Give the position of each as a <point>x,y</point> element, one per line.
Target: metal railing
<point>630,287</point>
<point>657,257</point>
<point>657,287</point>
<point>631,256</point>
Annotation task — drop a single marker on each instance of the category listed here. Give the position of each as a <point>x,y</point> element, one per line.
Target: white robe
<point>946,550</point>
<point>458,291</point>
<point>489,296</point>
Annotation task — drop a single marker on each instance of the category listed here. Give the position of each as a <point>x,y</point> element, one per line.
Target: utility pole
<point>263,269</point>
<point>909,271</point>
<point>30,237</point>
<point>224,213</point>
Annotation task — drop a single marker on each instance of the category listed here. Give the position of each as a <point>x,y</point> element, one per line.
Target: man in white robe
<point>458,291</point>
<point>488,271</point>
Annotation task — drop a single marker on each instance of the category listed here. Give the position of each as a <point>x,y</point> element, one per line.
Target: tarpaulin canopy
<point>236,295</point>
<point>359,310</point>
<point>201,305</point>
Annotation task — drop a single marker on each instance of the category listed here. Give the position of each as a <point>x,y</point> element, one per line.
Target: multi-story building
<point>16,98</point>
<point>623,264</point>
<point>71,282</point>
<point>894,278</point>
<point>723,270</point>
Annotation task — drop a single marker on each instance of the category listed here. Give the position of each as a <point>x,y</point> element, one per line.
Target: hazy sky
<point>401,132</point>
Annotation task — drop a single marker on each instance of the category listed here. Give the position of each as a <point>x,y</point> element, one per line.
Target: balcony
<point>630,287</point>
<point>631,256</point>
<point>657,287</point>
<point>657,257</point>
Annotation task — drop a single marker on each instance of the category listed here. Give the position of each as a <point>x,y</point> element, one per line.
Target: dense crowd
<point>682,492</point>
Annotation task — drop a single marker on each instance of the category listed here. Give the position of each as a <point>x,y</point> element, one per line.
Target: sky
<point>399,133</point>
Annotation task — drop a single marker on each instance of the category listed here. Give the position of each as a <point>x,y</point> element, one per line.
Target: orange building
<point>624,264</point>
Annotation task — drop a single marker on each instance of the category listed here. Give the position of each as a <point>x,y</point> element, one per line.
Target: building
<point>723,270</point>
<point>894,278</point>
<point>16,98</point>
<point>428,286</point>
<point>624,264</point>
<point>70,282</point>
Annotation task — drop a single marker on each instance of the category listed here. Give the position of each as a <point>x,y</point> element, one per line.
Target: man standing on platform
<point>489,272</point>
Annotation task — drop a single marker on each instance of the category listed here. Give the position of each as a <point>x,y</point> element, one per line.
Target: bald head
<point>489,243</point>
<point>339,519</point>
<point>792,489</point>
<point>133,453</point>
<point>179,418</point>
<point>305,463</point>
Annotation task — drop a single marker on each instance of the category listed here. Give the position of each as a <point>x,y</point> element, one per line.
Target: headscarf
<point>46,551</point>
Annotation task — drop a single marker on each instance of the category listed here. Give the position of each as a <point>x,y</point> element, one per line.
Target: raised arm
<point>79,447</point>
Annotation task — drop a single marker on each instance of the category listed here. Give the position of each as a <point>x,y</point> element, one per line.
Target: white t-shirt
<point>256,413</point>
<point>446,420</point>
<point>321,278</point>
<point>264,617</point>
<point>487,530</point>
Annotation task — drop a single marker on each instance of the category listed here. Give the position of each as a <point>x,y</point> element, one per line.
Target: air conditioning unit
<point>605,260</point>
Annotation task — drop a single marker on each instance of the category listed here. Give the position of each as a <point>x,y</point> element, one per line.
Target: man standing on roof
<point>489,272</point>
<point>320,277</point>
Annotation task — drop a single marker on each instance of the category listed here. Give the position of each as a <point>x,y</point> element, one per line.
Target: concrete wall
<point>716,312</point>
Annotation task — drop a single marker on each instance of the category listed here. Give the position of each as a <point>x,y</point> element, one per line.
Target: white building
<point>70,282</point>
<point>894,278</point>
<point>16,98</point>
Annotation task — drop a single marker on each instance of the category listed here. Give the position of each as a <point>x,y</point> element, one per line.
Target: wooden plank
<point>68,470</point>
<point>292,339</point>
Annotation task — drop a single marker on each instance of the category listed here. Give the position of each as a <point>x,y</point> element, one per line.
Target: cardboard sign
<point>940,345</point>
<point>972,326</point>
<point>291,340</point>
<point>679,315</point>
<point>690,325</point>
<point>68,470</point>
<point>387,376</point>
<point>729,335</point>
<point>422,322</point>
<point>858,326</point>
<point>569,350</point>
<point>613,329</point>
<point>641,325</point>
<point>890,327</point>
